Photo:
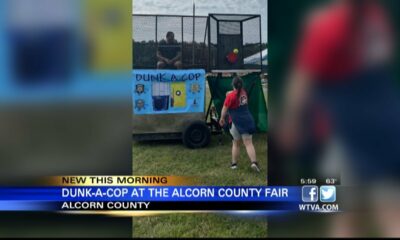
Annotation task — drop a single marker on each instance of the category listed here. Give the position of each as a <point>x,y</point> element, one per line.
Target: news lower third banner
<point>146,195</point>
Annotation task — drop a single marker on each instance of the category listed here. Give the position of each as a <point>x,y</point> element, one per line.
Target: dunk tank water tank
<point>169,103</point>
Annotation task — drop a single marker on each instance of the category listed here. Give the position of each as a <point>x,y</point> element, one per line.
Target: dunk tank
<point>185,103</point>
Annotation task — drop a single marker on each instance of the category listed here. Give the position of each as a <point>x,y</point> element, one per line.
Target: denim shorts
<point>236,135</point>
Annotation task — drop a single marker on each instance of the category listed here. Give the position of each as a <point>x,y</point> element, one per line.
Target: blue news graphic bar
<point>158,194</point>
<point>31,206</point>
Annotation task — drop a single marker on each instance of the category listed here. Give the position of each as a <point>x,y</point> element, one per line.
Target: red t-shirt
<point>233,102</point>
<point>333,46</point>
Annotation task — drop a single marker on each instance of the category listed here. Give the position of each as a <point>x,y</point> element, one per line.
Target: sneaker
<point>255,167</point>
<point>234,166</point>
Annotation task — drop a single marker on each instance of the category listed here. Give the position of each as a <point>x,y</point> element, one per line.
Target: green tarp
<point>219,86</point>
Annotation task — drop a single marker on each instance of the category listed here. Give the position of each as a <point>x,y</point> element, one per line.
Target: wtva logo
<point>309,194</point>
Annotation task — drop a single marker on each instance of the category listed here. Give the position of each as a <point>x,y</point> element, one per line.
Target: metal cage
<point>204,41</point>
<point>227,32</point>
<point>190,33</point>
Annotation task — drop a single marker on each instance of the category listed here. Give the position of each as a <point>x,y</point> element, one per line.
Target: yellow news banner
<point>75,181</point>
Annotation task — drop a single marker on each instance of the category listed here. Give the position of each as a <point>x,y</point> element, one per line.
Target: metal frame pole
<point>261,63</point>
<point>194,29</point>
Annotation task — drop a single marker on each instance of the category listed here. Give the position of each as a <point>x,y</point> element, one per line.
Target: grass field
<point>212,166</point>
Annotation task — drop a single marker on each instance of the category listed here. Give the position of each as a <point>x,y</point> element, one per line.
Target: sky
<point>204,7</point>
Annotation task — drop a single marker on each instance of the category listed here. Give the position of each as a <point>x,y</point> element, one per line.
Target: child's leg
<point>248,143</point>
<point>235,144</point>
<point>235,151</point>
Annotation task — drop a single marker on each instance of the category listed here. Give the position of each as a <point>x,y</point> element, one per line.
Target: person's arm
<point>310,53</point>
<point>161,58</point>
<point>225,108</point>
<point>295,99</point>
<point>177,58</point>
<point>223,116</point>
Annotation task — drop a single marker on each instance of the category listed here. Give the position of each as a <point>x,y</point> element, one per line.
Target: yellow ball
<point>235,51</point>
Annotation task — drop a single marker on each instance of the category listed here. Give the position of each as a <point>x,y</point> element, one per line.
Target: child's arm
<point>223,116</point>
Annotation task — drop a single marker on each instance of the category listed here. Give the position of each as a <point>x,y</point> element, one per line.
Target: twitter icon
<point>327,194</point>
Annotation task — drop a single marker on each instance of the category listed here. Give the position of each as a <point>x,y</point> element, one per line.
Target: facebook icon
<point>309,194</point>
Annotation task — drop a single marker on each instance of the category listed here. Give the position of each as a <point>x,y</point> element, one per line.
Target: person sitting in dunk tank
<point>169,53</point>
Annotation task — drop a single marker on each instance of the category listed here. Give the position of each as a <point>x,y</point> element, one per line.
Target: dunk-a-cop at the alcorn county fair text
<point>171,103</point>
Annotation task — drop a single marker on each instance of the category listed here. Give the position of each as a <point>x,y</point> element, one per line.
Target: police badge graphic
<point>195,88</point>
<point>139,104</point>
<point>139,89</point>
